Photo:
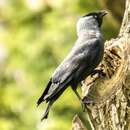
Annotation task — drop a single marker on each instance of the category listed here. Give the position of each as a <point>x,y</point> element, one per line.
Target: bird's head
<point>98,16</point>
<point>91,21</point>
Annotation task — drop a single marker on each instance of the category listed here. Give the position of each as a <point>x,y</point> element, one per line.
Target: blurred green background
<point>35,35</point>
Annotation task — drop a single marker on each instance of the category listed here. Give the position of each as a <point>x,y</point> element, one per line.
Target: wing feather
<point>67,69</point>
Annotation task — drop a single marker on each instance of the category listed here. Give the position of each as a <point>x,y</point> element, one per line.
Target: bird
<point>84,57</point>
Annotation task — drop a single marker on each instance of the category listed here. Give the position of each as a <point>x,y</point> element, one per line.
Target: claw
<point>100,73</point>
<point>87,101</point>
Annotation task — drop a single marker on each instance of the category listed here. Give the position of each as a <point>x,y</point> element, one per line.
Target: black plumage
<point>80,62</point>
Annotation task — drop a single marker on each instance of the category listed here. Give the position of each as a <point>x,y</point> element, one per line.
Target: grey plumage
<point>80,62</point>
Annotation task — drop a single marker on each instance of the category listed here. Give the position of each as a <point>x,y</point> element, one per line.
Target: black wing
<point>68,68</point>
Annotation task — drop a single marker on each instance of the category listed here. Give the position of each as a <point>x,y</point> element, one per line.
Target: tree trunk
<point>107,96</point>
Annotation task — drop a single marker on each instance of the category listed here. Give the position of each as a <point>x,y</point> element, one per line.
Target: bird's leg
<point>80,99</point>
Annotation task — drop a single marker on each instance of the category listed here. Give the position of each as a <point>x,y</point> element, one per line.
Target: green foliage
<point>33,41</point>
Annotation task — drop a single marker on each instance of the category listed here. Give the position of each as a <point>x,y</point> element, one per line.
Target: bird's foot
<point>99,72</point>
<point>88,101</point>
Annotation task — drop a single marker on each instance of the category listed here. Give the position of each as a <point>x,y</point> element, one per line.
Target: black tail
<point>41,99</point>
<point>45,115</point>
<point>50,100</point>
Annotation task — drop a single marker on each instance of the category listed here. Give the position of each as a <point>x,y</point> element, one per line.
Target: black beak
<point>103,13</point>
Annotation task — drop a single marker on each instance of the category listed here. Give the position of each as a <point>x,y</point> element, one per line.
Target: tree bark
<point>107,96</point>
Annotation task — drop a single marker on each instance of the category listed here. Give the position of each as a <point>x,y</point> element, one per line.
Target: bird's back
<point>80,62</point>
<point>83,58</point>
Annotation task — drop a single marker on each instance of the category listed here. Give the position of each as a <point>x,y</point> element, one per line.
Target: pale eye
<point>95,16</point>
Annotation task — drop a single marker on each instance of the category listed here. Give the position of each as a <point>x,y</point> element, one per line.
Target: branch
<point>77,124</point>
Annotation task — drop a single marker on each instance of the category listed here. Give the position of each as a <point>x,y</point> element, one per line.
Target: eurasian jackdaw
<point>84,57</point>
